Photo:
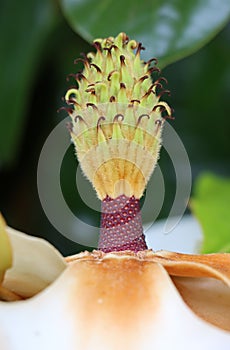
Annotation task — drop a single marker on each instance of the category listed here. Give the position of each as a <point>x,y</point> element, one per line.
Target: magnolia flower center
<point>117,120</point>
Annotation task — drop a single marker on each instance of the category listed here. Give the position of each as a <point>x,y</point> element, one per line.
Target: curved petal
<point>36,264</point>
<point>189,265</point>
<point>108,301</point>
<point>5,250</point>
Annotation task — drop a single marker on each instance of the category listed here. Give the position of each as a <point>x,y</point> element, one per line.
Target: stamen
<point>92,105</point>
<point>158,124</point>
<point>150,90</point>
<point>68,110</point>
<point>122,59</point>
<point>124,37</point>
<point>71,101</point>
<point>79,117</point>
<point>84,55</point>
<point>116,118</point>
<point>154,59</point>
<point>77,60</point>
<point>139,48</point>
<point>164,92</point>
<point>169,117</point>
<point>95,66</point>
<point>141,117</point>
<point>148,93</point>
<point>112,99</point>
<point>135,100</point>
<point>153,69</point>
<point>143,78</point>
<point>110,75</point>
<point>109,49</point>
<point>99,122</point>
<point>90,89</point>
<point>79,75</point>
<point>162,79</point>
<point>97,46</point>
<point>162,108</point>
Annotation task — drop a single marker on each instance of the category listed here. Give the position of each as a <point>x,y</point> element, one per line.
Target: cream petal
<point>108,302</point>
<point>36,264</point>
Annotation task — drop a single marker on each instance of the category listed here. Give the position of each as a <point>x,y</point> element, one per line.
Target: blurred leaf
<point>211,206</point>
<point>24,30</point>
<point>202,124</point>
<point>169,29</point>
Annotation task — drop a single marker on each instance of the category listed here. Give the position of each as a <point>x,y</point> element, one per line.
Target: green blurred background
<point>39,41</point>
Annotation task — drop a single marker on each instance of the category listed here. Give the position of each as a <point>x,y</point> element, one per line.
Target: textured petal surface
<point>109,301</point>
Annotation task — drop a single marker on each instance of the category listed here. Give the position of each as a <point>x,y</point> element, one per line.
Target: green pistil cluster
<point>116,74</point>
<point>117,118</point>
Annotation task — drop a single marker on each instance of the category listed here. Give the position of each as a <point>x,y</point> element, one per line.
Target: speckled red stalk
<point>121,225</point>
